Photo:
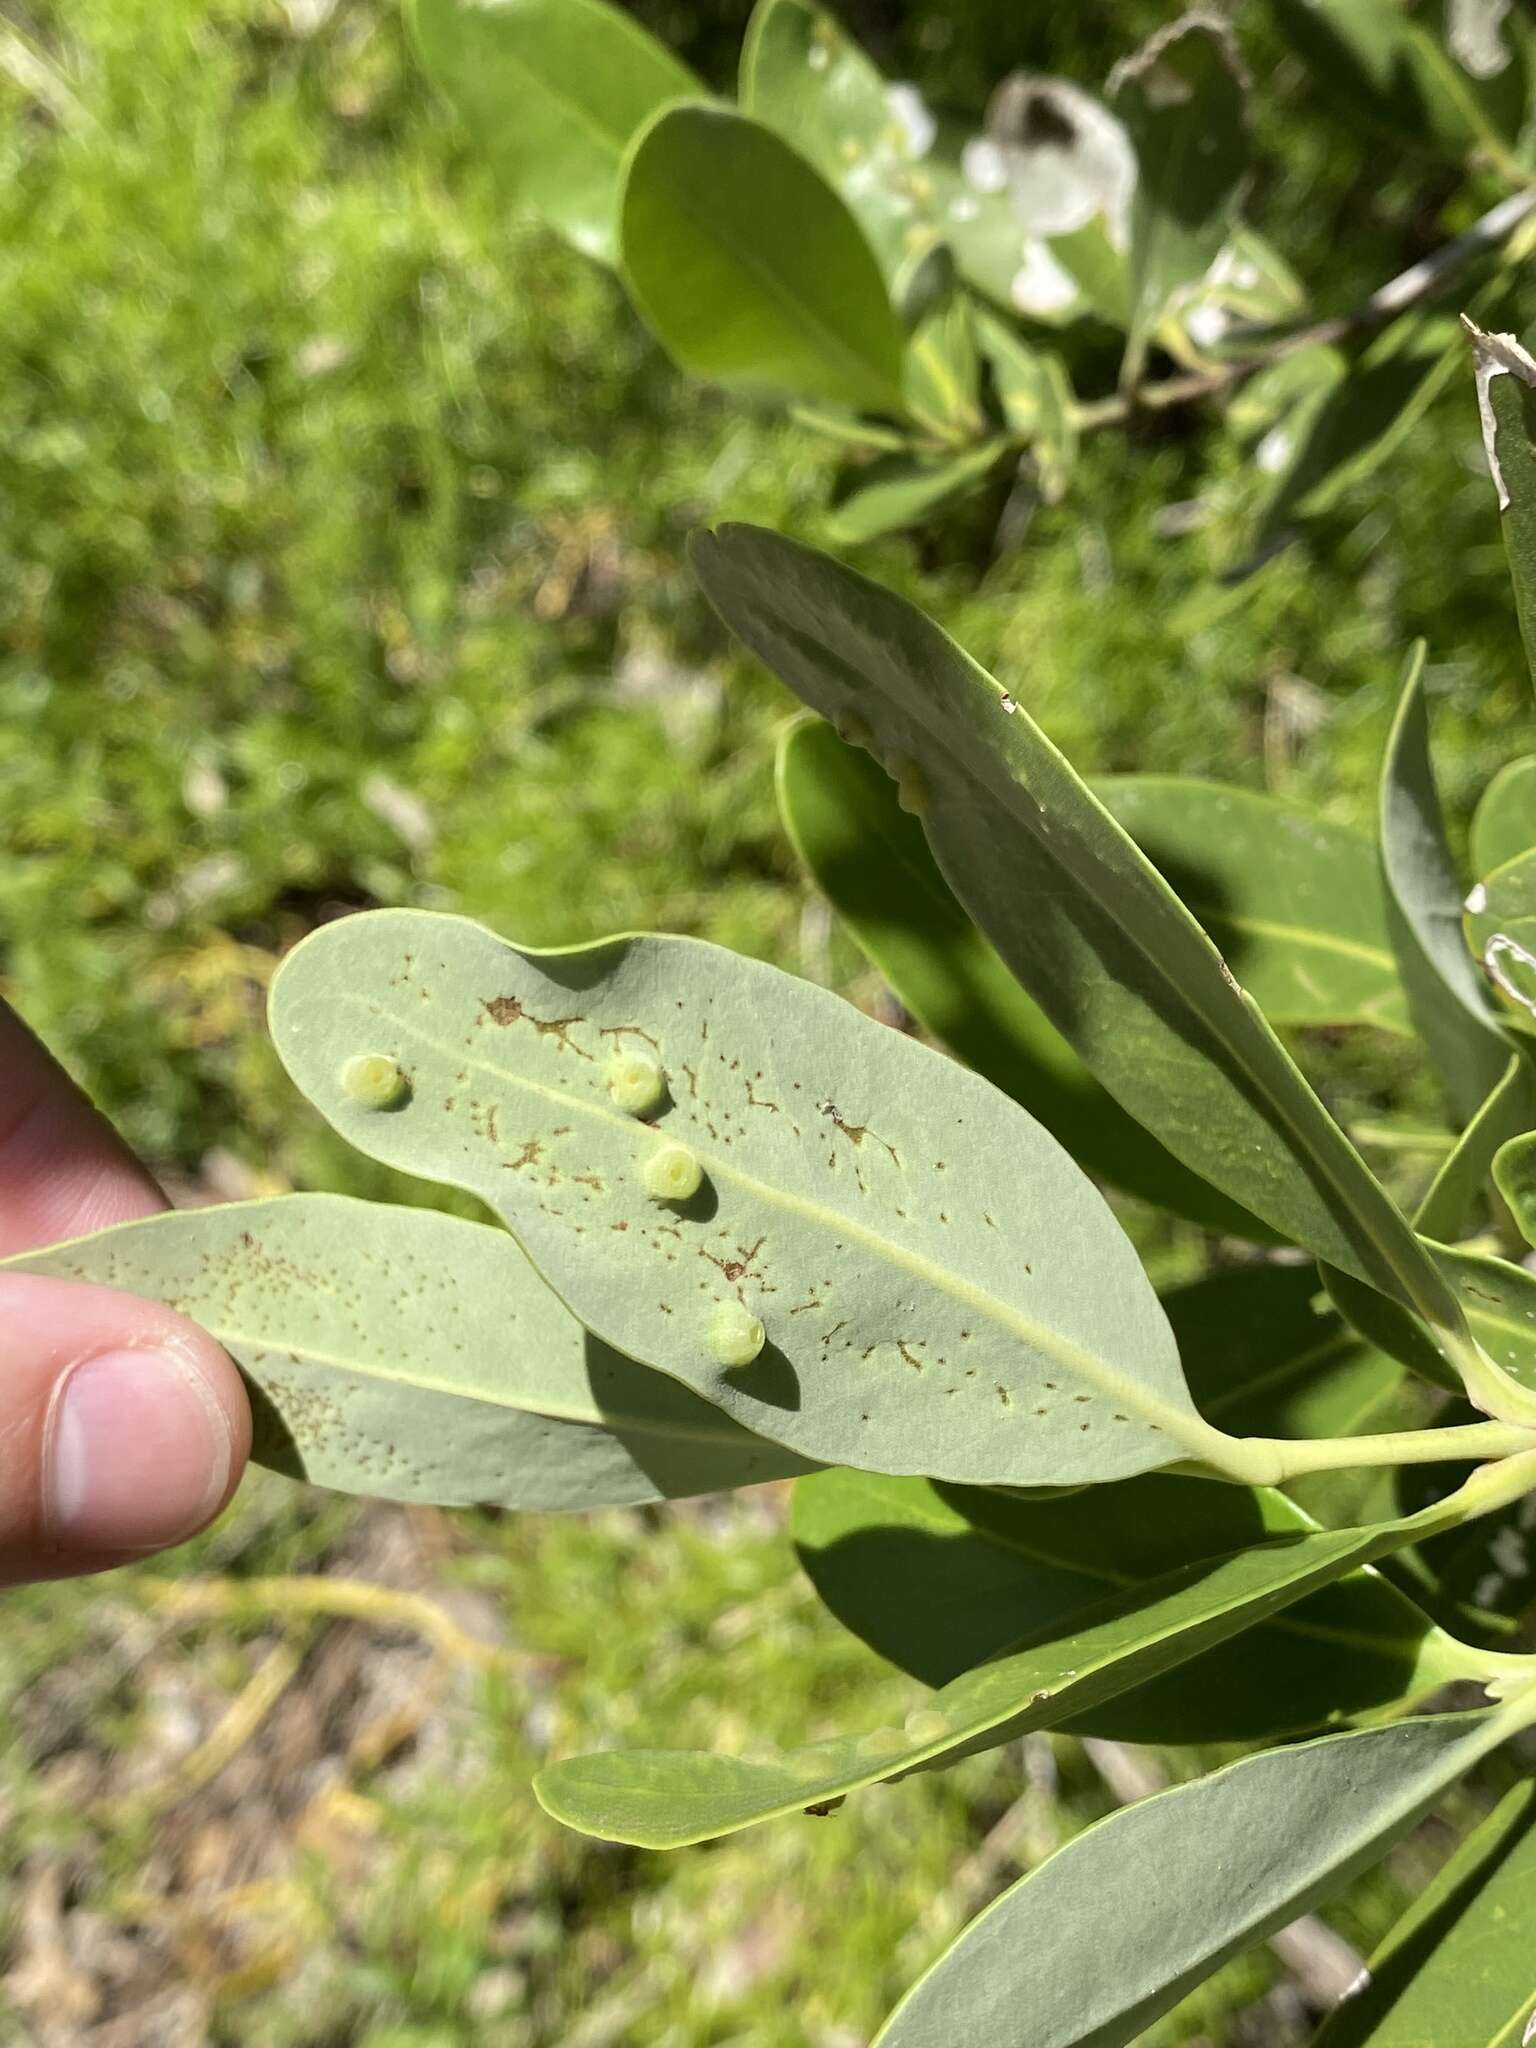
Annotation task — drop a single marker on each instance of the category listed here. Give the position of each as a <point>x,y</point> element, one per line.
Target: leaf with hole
<point>749,268</point>
<point>408,1355</point>
<point>552,92</point>
<point>942,1289</point>
<point>1499,921</point>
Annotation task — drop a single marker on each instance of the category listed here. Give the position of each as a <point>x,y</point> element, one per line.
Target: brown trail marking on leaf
<point>856,1133</point>
<point>507,1010</point>
<point>627,1031</point>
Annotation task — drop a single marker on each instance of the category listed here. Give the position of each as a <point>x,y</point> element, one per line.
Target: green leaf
<point>1450,1204</point>
<point>1090,1949</point>
<point>1352,424</point>
<point>407,1355</point>
<point>1424,899</point>
<point>552,91</point>
<point>1504,823</point>
<point>749,269</point>
<point>1457,1969</point>
<point>1035,397</point>
<point>942,1290</point>
<point>1498,1300</point>
<point>942,375</point>
<point>804,77</point>
<point>666,1799</point>
<point>938,1578</point>
<point>1500,927</point>
<point>1249,281</point>
<point>1514,1173</point>
<point>1383,65</point>
<point>897,491</point>
<point>871,860</point>
<point>1181,97</point>
<point>1085,922</point>
<point>1506,375</point>
<point>1294,902</point>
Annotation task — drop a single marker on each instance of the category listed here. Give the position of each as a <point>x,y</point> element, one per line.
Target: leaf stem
<point>1271,1461</point>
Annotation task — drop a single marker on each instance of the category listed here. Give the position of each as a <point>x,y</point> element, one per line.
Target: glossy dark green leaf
<point>749,268</point>
<point>1424,904</point>
<point>803,76</point>
<point>922,1278</point>
<point>1504,823</point>
<point>872,862</point>
<point>1079,915</point>
<point>1090,1949</point>
<point>666,1799</point>
<point>1500,927</point>
<point>1514,1173</point>
<point>408,1355</point>
<point>1181,98</point>
<point>1294,902</point>
<point>1449,1208</point>
<point>1459,1969</point>
<point>552,91</point>
<point>897,491</point>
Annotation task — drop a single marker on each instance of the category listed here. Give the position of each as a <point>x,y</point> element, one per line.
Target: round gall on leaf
<point>854,731</point>
<point>735,1335</point>
<point>911,789</point>
<point>672,1174</point>
<point>636,1082</point>
<point>376,1081</point>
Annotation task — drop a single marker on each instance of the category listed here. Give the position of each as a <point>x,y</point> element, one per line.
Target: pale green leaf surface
<point>1090,1949</point>
<point>1514,1173</point>
<point>1079,915</point>
<point>665,1799</point>
<point>871,861</point>
<point>1459,1969</point>
<point>943,1290</point>
<point>408,1355</point>
<point>1504,823</point>
<point>1181,98</point>
<point>1449,1208</point>
<point>941,373</point>
<point>749,268</point>
<point>552,92</point>
<point>1500,926</point>
<point>1424,906</point>
<point>1294,902</point>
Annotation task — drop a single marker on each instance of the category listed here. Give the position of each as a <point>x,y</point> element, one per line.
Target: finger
<point>124,1429</point>
<point>63,1170</point>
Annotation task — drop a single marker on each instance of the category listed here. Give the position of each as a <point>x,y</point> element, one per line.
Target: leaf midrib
<point>1191,1430</point>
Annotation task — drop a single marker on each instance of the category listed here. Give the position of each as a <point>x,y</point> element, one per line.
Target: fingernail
<point>137,1453</point>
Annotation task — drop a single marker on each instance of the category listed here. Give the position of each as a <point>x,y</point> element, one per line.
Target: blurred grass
<point>340,563</point>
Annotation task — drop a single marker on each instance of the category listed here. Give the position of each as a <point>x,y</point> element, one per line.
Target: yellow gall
<point>735,1336</point>
<point>672,1174</point>
<point>376,1081</point>
<point>636,1082</point>
<point>911,789</point>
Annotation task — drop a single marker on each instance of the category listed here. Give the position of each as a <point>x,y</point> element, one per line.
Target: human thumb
<point>123,1427</point>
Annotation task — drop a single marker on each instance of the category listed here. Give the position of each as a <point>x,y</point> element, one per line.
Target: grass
<point>341,563</point>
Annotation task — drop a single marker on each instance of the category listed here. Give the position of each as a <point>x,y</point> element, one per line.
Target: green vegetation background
<point>341,526</point>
